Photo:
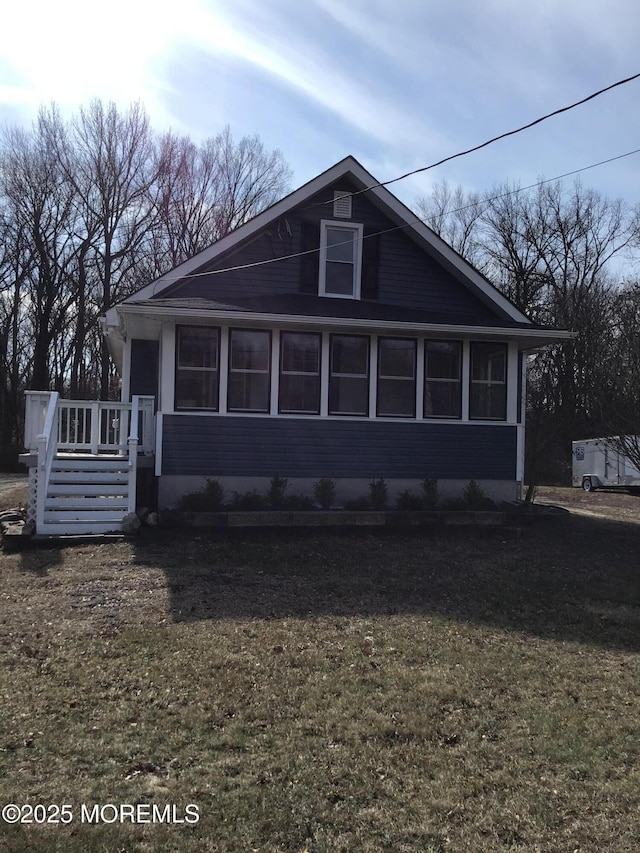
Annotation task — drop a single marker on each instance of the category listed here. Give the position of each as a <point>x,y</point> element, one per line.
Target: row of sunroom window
<point>249,369</point>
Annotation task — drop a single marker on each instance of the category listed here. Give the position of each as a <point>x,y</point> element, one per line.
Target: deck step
<point>86,495</point>
<point>87,489</point>
<point>80,528</point>
<point>89,477</point>
<point>81,502</point>
<point>114,516</point>
<point>93,464</point>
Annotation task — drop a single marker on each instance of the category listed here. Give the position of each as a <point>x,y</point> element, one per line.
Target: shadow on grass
<point>38,561</point>
<point>570,578</point>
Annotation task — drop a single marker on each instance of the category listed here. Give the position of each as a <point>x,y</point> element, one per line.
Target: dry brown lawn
<point>322,692</point>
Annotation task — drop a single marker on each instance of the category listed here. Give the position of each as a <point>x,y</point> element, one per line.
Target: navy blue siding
<point>144,367</point>
<point>263,447</point>
<point>407,275</point>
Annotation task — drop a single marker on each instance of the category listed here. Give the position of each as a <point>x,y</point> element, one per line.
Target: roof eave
<point>527,338</point>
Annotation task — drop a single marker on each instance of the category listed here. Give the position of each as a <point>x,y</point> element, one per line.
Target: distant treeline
<point>552,251</point>
<point>95,207</point>
<point>91,209</point>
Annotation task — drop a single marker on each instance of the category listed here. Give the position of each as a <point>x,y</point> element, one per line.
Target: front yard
<point>328,692</point>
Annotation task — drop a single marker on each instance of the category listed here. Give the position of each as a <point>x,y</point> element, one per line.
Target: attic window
<point>342,204</point>
<point>340,260</point>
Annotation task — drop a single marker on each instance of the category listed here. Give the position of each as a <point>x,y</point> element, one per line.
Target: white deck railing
<point>89,426</point>
<point>94,428</point>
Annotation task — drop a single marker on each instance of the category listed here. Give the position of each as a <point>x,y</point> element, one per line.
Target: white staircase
<point>86,494</point>
<point>83,460</point>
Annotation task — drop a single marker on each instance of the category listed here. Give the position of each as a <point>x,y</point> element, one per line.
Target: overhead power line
<point>495,138</point>
<point>416,221</point>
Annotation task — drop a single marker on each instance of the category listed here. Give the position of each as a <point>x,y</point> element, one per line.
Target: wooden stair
<point>86,494</point>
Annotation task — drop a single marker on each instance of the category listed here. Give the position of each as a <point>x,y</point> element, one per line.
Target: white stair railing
<point>132,443</point>
<point>80,430</point>
<point>46,444</point>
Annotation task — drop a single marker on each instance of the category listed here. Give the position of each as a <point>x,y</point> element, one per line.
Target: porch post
<point>95,427</point>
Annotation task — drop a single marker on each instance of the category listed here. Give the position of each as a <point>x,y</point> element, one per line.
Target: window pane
<point>339,279</point>
<point>396,377</point>
<point>250,350</point>
<point>249,371</point>
<point>488,362</point>
<point>300,373</point>
<point>197,389</point>
<point>197,347</point>
<point>442,399</point>
<point>300,393</point>
<point>341,245</point>
<point>197,368</point>
<point>488,401</point>
<point>300,353</point>
<point>396,357</point>
<point>443,379</point>
<point>349,355</point>
<point>488,393</point>
<point>249,392</point>
<point>348,396</point>
<point>443,359</point>
<point>396,398</point>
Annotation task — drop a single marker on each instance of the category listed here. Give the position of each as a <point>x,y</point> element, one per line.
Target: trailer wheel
<point>587,484</point>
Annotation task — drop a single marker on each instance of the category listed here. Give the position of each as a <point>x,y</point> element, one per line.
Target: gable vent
<point>342,204</point>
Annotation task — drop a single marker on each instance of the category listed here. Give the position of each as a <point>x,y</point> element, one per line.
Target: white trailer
<point>597,465</point>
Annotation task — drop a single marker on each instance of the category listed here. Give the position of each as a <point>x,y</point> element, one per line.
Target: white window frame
<point>356,229</point>
<point>382,339</point>
<point>268,372</point>
<point>334,375</point>
<point>182,370</point>
<point>305,373</point>
<point>490,383</point>
<point>428,379</point>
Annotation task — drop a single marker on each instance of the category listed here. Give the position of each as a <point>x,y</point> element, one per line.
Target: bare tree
<point>620,397</point>
<point>209,190</point>
<point>455,216</point>
<point>108,157</point>
<point>550,251</point>
<point>38,204</point>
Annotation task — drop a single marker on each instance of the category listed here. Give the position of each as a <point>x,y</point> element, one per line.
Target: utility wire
<point>489,141</point>
<point>416,221</point>
<point>433,166</point>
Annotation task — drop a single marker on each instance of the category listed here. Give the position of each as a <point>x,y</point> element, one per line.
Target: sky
<point>398,84</point>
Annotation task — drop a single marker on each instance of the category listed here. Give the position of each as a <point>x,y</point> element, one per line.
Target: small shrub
<point>430,494</point>
<point>275,492</point>
<point>357,504</point>
<point>409,501</point>
<point>378,494</point>
<point>297,503</point>
<point>474,497</point>
<point>210,498</point>
<point>324,491</point>
<point>451,504</point>
<point>248,501</point>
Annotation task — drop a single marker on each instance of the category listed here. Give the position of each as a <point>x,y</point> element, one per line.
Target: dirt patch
<point>612,505</point>
<point>13,490</point>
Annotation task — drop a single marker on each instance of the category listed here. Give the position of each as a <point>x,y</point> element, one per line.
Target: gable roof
<point>382,198</point>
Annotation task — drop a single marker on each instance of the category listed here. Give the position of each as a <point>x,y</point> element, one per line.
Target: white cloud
<point>398,84</point>
<point>303,61</point>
